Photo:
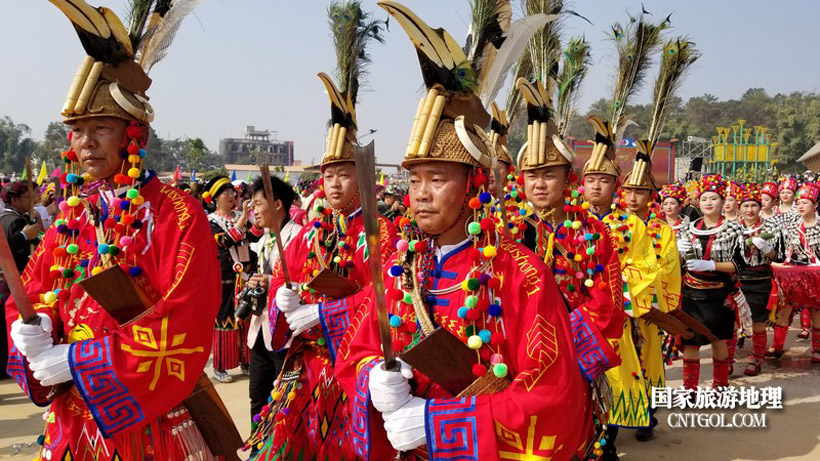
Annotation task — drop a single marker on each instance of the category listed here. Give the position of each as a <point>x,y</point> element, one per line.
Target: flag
<point>56,173</point>
<point>43,174</point>
<point>193,176</point>
<point>177,176</point>
<point>381,179</point>
<point>233,175</point>
<point>287,176</point>
<point>249,176</point>
<point>25,174</point>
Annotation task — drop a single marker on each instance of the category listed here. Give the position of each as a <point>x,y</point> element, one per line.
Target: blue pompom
<point>396,271</point>
<point>395,321</point>
<point>494,310</point>
<point>485,335</point>
<point>125,204</point>
<point>485,197</point>
<point>135,271</point>
<point>462,312</point>
<point>317,225</point>
<point>599,268</point>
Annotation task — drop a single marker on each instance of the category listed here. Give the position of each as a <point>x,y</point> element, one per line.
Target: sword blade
<point>264,170</point>
<point>366,174</point>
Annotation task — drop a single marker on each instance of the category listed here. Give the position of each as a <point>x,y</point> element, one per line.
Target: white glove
<point>390,390</point>
<point>762,244</point>
<point>700,265</point>
<point>302,318</point>
<point>32,339</point>
<point>287,299</point>
<point>684,246</point>
<point>51,366</point>
<point>405,426</point>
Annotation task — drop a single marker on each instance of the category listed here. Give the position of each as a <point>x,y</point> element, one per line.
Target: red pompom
<point>421,246</point>
<point>406,201</point>
<point>411,327</point>
<point>474,254</point>
<point>487,224</point>
<point>479,370</point>
<point>497,339</point>
<point>121,179</point>
<point>63,295</point>
<point>473,314</point>
<point>474,203</point>
<point>494,283</point>
<point>127,219</point>
<point>70,135</point>
<point>133,132</point>
<point>482,305</point>
<point>72,155</point>
<point>480,179</point>
<point>133,149</point>
<point>110,223</point>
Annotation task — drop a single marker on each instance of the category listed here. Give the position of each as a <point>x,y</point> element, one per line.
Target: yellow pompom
<point>291,395</point>
<point>577,258</point>
<point>73,200</point>
<point>133,159</point>
<point>96,270</point>
<point>489,251</point>
<point>585,205</point>
<point>277,395</point>
<point>134,173</point>
<point>138,201</point>
<point>474,342</point>
<point>50,297</point>
<point>576,225</point>
<point>588,283</point>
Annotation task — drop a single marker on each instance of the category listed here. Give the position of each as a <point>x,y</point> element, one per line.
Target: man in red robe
<point>314,421</point>
<point>129,380</point>
<point>453,271</point>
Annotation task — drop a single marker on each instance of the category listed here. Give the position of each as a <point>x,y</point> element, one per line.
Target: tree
<point>15,145</point>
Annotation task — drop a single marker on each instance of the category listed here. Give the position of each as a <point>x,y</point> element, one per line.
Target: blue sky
<point>254,62</point>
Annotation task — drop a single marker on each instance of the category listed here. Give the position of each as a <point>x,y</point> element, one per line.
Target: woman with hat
<point>673,196</point>
<point>756,277</point>
<point>713,249</point>
<point>230,229</point>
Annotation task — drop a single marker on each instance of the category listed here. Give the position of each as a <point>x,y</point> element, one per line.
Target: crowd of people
<point>486,302</point>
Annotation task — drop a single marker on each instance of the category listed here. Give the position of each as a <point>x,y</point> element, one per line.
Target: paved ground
<point>793,433</point>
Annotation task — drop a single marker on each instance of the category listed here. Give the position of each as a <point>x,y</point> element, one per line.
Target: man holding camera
<point>265,364</point>
<point>22,230</point>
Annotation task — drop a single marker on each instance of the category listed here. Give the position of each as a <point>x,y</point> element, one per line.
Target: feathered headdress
<point>544,147</point>
<point>353,29</point>
<point>574,69</point>
<point>498,135</point>
<point>635,44</point>
<point>450,120</point>
<point>113,78</point>
<point>678,56</point>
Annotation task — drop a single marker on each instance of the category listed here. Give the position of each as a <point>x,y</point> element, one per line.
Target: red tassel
<point>805,318</point>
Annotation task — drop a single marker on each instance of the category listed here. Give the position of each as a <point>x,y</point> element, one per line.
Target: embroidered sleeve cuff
<point>451,428</point>
<point>594,353</point>
<point>112,405</point>
<point>236,234</point>
<point>18,370</point>
<point>361,411</point>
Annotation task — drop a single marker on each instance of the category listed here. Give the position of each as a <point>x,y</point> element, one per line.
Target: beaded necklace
<point>482,309</point>
<point>116,225</point>
<point>331,246</point>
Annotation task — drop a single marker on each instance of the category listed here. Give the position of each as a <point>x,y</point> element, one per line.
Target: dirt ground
<point>793,433</point>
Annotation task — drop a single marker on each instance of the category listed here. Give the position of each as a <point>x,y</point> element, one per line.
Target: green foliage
<point>792,119</point>
<point>15,145</point>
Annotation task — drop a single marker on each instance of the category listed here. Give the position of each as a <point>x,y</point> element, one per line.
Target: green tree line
<point>792,119</point>
<point>16,144</point>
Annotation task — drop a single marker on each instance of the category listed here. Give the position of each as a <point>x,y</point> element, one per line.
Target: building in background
<point>255,148</point>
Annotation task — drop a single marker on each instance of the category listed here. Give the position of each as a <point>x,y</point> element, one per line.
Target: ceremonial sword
<point>365,158</point>
<point>15,283</point>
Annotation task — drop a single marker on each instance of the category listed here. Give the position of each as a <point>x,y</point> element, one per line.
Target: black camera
<point>252,300</point>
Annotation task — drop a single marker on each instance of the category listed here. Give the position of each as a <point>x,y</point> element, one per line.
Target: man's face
<point>750,210</point>
<point>545,186</point>
<point>494,182</point>
<point>341,185</point>
<point>389,199</point>
<point>260,210</point>
<point>805,207</point>
<point>97,142</point>
<point>787,196</point>
<point>23,202</point>
<point>437,192</point>
<point>599,188</point>
<point>671,207</point>
<point>637,199</point>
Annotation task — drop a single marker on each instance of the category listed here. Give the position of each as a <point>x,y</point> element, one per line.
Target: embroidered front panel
<point>335,320</point>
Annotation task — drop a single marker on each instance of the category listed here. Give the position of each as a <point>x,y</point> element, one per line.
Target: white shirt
<point>260,322</point>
